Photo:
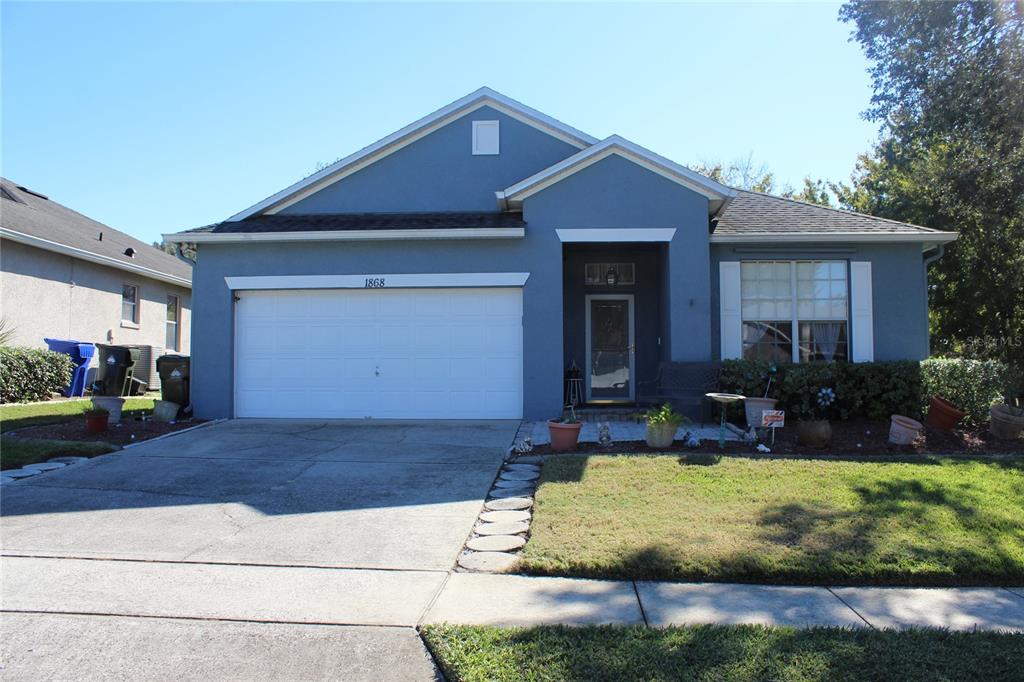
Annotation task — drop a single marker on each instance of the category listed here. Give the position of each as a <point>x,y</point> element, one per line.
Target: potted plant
<point>942,415</point>
<point>814,428</point>
<point>96,419</point>
<point>753,406</point>
<point>565,431</point>
<point>1007,421</point>
<point>662,424</point>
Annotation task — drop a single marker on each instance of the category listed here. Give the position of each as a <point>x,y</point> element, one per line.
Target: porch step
<point>605,414</point>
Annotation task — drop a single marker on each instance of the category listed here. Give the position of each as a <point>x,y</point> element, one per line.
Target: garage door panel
<point>397,353</point>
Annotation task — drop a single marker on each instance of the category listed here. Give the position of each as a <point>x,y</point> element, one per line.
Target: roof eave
<point>99,259</point>
<point>837,237</point>
<point>347,235</point>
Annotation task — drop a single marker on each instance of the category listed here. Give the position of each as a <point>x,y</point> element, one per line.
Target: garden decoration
<point>814,428</point>
<point>662,424</point>
<point>753,406</point>
<point>723,399</point>
<point>565,431</point>
<point>604,435</point>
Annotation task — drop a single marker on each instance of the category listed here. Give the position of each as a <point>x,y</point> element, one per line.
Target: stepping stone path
<point>7,479</point>
<point>505,519</point>
<point>45,466</point>
<point>69,460</point>
<point>488,562</point>
<point>513,528</point>
<point>508,504</point>
<point>496,543</point>
<point>22,473</point>
<point>504,516</point>
<point>520,475</point>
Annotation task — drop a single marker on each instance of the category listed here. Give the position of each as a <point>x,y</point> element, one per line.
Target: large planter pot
<point>660,435</point>
<point>815,434</point>
<point>564,436</point>
<point>165,410</point>
<point>110,404</point>
<point>96,423</point>
<point>753,408</point>
<point>1007,423</point>
<point>942,415</point>
<point>904,430</point>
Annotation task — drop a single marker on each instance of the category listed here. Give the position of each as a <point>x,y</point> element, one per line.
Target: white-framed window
<point>173,312</point>
<point>605,274</point>
<point>486,137</point>
<point>130,303</point>
<point>795,311</point>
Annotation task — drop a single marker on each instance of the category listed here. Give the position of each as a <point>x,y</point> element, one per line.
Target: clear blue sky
<point>155,118</point>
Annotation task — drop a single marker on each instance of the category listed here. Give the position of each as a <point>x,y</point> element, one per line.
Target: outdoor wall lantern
<point>611,277</point>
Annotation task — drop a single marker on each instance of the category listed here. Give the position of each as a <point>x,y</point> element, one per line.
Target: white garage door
<point>384,353</point>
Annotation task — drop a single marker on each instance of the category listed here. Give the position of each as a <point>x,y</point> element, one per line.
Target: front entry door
<point>610,349</point>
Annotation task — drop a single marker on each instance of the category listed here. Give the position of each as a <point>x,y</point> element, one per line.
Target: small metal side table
<point>573,392</point>
<point>723,399</point>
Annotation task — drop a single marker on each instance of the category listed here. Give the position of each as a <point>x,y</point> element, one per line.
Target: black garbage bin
<point>174,378</point>
<point>114,370</point>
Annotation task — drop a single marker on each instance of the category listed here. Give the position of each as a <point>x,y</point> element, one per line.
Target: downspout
<point>940,251</point>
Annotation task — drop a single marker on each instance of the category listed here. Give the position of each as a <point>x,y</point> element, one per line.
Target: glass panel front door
<point>610,348</point>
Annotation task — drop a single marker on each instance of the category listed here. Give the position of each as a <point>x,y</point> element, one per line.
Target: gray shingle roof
<point>754,213</point>
<point>366,221</point>
<point>30,213</point>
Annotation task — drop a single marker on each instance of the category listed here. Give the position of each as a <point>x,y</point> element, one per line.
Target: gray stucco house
<point>66,276</point>
<point>457,267</point>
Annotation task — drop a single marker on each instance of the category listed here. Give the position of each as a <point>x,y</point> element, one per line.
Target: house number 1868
<point>374,282</point>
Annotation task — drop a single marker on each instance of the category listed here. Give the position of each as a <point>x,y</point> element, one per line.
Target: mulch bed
<point>848,438</point>
<point>130,430</point>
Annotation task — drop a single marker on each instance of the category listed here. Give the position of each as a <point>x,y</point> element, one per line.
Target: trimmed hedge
<point>28,374</point>
<point>875,390</point>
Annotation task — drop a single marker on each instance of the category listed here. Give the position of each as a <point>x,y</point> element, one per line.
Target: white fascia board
<point>409,134</point>
<point>832,237</point>
<point>611,235</point>
<point>440,280</point>
<point>346,235</point>
<point>602,150</point>
<point>99,259</point>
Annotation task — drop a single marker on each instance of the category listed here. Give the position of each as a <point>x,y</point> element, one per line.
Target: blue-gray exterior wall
<point>899,308</point>
<point>439,173</point>
<point>612,193</point>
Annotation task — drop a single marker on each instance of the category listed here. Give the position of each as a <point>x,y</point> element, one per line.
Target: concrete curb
<point>173,433</point>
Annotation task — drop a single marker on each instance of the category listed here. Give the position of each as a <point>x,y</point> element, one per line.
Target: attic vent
<point>486,135</point>
<point>130,252</point>
<point>33,193</point>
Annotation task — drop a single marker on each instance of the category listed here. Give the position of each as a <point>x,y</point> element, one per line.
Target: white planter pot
<point>660,435</point>
<point>110,404</point>
<point>753,408</point>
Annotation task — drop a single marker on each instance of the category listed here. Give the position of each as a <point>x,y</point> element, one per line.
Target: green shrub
<point>970,385</point>
<point>28,374</point>
<point>864,390</point>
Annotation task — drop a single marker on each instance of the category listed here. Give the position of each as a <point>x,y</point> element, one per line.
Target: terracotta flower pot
<point>96,423</point>
<point>815,434</point>
<point>660,435</point>
<point>564,436</point>
<point>942,415</point>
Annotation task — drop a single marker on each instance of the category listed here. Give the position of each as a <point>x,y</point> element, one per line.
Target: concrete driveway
<point>348,524</point>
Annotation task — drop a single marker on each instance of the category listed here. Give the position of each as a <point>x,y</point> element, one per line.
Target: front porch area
<point>623,431</point>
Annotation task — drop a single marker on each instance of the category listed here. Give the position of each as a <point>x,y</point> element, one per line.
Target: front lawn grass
<point>17,452</point>
<point>934,522</point>
<point>712,652</point>
<point>14,417</point>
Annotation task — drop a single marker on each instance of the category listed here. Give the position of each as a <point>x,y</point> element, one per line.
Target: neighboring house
<point>456,268</point>
<point>67,276</point>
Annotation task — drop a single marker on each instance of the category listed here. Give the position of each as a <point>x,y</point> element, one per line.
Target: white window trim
<point>177,323</point>
<point>445,280</point>
<point>136,320</point>
<point>795,318</point>
<point>479,129</point>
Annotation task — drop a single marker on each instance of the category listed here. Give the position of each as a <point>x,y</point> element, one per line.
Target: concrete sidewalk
<point>512,600</point>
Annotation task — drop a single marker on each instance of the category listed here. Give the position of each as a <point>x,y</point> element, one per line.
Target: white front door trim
<point>615,234</point>
<point>632,344</point>
<point>380,281</point>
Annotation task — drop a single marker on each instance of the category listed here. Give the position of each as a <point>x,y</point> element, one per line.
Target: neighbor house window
<point>795,311</point>
<point>129,303</point>
<point>613,274</point>
<point>171,342</point>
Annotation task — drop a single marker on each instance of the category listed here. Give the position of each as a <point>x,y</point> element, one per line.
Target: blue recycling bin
<point>81,354</point>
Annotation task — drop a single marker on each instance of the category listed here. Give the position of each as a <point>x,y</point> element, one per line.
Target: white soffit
<point>514,195</point>
<point>440,280</point>
<point>625,234</point>
<point>409,134</point>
